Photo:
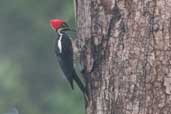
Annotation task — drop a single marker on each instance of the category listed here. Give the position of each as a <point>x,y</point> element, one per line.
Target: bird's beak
<point>72,30</point>
<point>66,27</point>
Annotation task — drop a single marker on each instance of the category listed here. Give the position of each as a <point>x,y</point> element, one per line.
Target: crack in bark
<point>129,54</point>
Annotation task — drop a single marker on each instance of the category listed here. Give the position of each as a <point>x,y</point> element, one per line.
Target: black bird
<point>64,52</point>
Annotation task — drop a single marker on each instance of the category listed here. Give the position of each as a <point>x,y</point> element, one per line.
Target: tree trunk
<point>125,48</point>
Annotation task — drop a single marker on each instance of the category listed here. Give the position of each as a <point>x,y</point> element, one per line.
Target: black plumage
<point>65,59</point>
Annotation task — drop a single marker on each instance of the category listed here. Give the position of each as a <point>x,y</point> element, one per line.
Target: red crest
<point>56,24</point>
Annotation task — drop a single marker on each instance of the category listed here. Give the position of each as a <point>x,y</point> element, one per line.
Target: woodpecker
<point>64,52</point>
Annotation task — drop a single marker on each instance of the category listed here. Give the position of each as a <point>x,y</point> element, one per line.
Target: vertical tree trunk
<point>125,47</point>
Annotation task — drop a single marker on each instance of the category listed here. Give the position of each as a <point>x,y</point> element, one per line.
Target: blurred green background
<point>30,78</point>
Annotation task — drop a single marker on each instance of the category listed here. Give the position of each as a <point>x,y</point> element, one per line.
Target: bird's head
<point>57,24</point>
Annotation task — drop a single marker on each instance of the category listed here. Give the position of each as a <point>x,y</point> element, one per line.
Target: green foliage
<point>30,78</point>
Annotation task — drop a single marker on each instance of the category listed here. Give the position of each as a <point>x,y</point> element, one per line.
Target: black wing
<point>65,58</point>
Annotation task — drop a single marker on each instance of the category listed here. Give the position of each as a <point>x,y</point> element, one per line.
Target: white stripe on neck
<point>59,41</point>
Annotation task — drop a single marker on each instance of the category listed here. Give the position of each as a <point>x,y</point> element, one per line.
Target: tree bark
<point>125,48</point>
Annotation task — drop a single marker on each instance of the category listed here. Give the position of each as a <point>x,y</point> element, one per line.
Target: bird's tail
<point>79,82</point>
<point>71,83</point>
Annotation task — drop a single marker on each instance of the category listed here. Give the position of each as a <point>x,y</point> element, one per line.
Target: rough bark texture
<point>125,47</point>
